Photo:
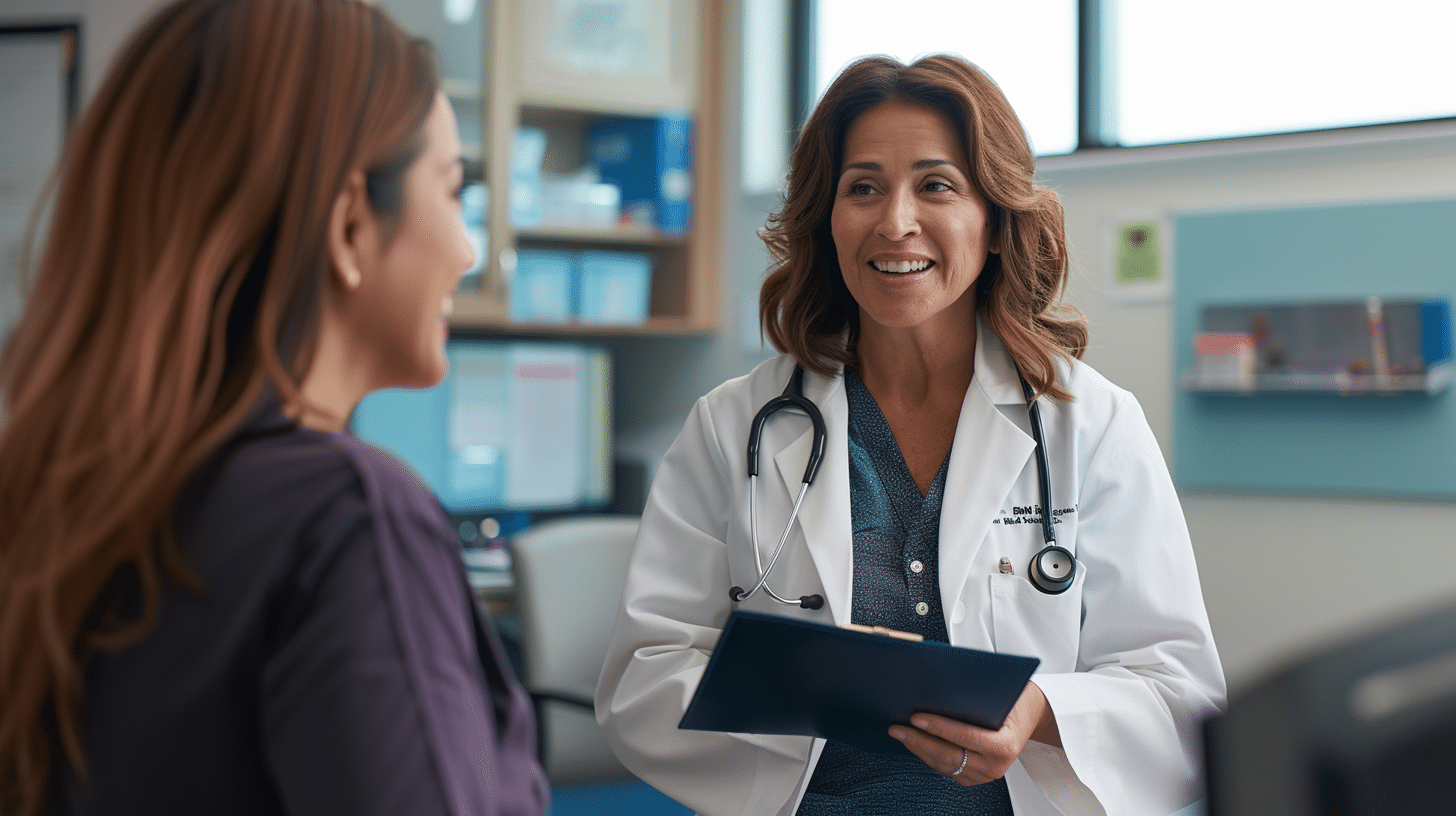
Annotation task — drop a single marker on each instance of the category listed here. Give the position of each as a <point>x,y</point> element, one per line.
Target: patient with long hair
<point>213,599</point>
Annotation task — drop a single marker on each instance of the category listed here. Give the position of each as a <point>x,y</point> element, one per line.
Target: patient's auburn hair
<point>176,291</point>
<point>805,307</point>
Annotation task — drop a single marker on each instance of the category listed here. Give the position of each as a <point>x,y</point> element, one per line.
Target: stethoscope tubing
<point>778,550</point>
<point>792,397</point>
<point>1053,582</point>
<point>786,400</point>
<point>1043,479</point>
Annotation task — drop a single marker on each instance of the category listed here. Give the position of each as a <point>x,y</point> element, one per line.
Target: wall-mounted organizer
<point>1350,348</point>
<point>601,123</point>
<point>1313,350</point>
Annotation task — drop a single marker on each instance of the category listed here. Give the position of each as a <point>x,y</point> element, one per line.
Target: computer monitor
<point>514,427</point>
<point>1366,728</point>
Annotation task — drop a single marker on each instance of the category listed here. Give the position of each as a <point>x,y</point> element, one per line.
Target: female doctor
<point>916,284</point>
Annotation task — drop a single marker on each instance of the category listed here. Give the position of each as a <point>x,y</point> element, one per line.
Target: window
<point>1171,70</point>
<point>1029,47</point>
<point>1273,66</point>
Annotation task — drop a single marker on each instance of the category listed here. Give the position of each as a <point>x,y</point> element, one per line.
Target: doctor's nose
<point>899,219</point>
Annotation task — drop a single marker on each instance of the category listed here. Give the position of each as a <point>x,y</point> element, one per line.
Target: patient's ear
<point>351,229</point>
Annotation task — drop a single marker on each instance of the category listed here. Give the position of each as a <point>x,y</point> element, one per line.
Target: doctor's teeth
<point>901,267</point>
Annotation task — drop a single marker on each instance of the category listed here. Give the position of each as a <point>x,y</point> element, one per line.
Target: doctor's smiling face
<point>911,231</point>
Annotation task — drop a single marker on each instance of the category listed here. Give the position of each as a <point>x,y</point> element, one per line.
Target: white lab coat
<point>1127,658</point>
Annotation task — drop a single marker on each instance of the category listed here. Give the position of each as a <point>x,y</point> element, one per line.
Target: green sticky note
<point>1139,253</point>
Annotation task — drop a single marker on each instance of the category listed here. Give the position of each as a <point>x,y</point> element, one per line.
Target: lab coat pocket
<point>1027,621</point>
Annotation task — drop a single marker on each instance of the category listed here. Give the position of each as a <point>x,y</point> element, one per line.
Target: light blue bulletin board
<point>1377,445</point>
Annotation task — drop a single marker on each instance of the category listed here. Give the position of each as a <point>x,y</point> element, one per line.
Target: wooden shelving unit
<point>524,87</point>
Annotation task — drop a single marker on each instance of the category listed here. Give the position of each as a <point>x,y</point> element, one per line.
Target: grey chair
<point>569,578</point>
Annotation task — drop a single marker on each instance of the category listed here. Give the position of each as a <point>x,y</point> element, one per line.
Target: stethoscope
<point>1052,569</point>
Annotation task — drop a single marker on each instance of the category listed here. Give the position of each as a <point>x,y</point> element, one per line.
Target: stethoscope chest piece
<point>1053,569</point>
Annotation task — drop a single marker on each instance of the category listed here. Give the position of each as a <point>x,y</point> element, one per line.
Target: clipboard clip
<point>882,630</point>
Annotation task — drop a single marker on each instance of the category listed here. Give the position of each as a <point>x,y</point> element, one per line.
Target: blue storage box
<point>1435,330</point>
<point>615,287</point>
<point>651,160</point>
<point>542,286</point>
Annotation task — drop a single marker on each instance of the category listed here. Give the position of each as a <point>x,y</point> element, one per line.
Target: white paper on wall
<point>548,416</point>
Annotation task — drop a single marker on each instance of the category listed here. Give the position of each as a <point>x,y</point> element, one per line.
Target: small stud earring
<point>352,278</point>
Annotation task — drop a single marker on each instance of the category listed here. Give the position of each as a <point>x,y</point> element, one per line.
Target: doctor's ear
<point>352,227</point>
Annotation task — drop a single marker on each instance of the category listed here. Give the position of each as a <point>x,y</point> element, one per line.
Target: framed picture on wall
<point>1137,257</point>
<point>39,94</point>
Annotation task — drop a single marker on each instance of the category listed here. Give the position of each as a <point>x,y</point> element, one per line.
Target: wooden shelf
<point>561,106</point>
<point>654,326</point>
<point>591,235</point>
<point>479,308</point>
<point>487,311</point>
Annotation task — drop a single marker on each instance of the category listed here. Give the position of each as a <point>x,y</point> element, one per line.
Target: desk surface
<point>496,589</point>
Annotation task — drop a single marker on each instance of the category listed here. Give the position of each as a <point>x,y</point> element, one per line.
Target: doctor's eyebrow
<point>875,167</point>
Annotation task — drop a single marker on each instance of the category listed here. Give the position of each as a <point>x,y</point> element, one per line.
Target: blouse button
<point>916,566</point>
<point>922,608</point>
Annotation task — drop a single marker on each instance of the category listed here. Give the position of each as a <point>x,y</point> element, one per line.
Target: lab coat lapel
<point>988,455</point>
<point>824,517</point>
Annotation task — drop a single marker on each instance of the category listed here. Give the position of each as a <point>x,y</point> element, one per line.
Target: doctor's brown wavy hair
<point>804,305</point>
<point>176,292</point>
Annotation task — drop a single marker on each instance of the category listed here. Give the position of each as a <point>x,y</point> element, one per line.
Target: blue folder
<point>777,675</point>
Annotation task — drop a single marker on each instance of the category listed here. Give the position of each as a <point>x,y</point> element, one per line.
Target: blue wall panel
<point>1313,444</point>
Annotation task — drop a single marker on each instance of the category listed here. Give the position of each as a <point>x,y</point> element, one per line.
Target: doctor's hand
<point>943,743</point>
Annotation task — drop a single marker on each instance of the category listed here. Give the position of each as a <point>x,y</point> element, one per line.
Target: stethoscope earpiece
<point>1053,569</point>
<point>737,594</point>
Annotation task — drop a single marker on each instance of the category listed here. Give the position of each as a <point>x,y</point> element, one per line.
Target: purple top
<point>336,662</point>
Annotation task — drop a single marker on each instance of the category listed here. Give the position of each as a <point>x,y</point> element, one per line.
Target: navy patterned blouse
<point>896,584</point>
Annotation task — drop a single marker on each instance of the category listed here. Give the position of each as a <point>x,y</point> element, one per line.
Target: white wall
<point>1280,575</point>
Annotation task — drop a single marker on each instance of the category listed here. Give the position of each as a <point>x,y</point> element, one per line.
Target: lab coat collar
<point>995,372</point>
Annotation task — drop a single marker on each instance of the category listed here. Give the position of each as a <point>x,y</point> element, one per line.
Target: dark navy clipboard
<point>776,675</point>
